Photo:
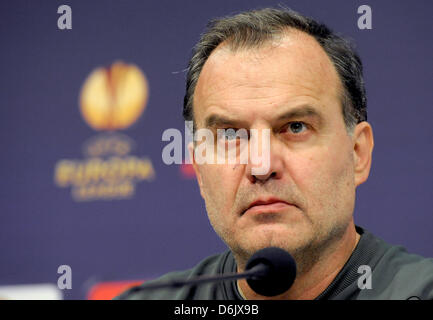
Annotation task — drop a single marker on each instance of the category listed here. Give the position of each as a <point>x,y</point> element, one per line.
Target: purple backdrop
<point>164,226</point>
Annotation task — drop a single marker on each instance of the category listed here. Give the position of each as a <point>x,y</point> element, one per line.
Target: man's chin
<point>277,232</point>
<point>270,236</point>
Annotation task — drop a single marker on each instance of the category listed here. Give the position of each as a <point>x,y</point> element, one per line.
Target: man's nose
<point>270,158</point>
<point>263,177</point>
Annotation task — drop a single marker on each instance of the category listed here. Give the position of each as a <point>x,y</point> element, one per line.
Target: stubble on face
<point>301,232</point>
<point>318,181</point>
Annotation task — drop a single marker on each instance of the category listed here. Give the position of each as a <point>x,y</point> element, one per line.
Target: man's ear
<point>195,167</point>
<point>363,144</point>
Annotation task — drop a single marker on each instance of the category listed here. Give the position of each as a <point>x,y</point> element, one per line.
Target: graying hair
<point>251,29</point>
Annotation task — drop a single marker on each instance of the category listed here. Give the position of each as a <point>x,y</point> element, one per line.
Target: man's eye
<point>297,127</point>
<point>230,134</point>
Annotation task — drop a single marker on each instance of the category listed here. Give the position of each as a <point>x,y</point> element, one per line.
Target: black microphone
<point>278,275</point>
<point>269,272</point>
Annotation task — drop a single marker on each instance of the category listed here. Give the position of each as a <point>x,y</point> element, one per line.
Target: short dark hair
<point>253,28</point>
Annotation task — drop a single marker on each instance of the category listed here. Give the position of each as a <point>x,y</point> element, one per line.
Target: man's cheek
<point>314,177</point>
<point>215,185</point>
<point>306,170</point>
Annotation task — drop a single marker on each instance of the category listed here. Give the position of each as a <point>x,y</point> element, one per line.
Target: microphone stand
<point>252,273</point>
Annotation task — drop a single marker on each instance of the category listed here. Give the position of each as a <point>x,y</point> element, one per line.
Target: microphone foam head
<point>279,274</point>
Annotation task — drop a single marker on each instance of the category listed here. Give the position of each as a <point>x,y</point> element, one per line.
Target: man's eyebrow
<point>215,120</point>
<point>301,112</point>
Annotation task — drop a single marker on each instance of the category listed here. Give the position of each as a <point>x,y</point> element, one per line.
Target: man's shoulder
<point>211,265</point>
<point>400,275</point>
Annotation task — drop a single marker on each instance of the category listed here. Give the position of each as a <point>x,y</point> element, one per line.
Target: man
<point>279,71</point>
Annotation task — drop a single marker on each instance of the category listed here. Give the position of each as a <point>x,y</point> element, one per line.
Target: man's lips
<point>267,206</point>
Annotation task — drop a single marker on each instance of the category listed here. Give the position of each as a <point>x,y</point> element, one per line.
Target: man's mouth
<point>269,205</point>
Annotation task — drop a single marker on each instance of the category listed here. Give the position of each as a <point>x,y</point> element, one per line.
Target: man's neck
<point>311,284</point>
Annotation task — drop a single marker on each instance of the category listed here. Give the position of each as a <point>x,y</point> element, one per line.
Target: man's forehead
<point>294,63</point>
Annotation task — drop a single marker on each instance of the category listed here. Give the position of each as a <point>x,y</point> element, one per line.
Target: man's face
<point>292,89</point>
